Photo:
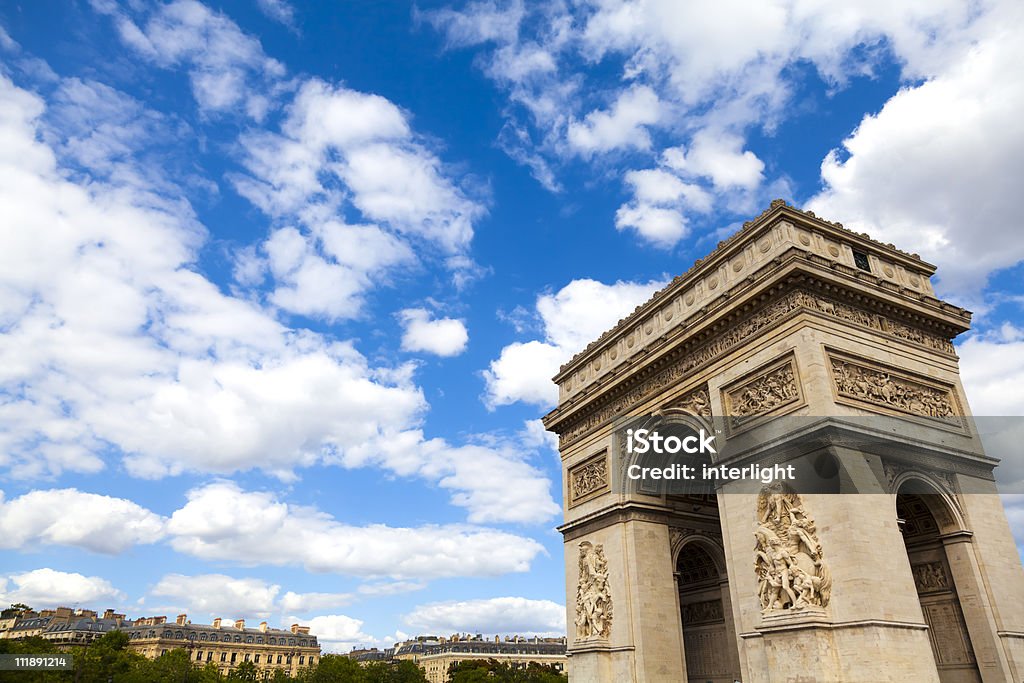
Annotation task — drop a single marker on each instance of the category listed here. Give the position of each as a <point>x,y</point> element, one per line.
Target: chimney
<point>240,624</point>
<point>216,622</point>
<point>263,627</point>
<point>108,614</point>
<point>181,620</point>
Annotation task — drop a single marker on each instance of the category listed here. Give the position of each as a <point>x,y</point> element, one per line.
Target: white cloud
<point>479,22</point>
<point>391,588</point>
<point>227,68</point>
<point>992,372</point>
<point>661,227</point>
<point>573,317</point>
<point>935,171</point>
<point>115,347</point>
<point>48,588</point>
<point>697,84</point>
<point>443,336</point>
<point>278,10</point>
<point>69,517</point>
<point>621,126</point>
<point>220,521</point>
<point>719,157</point>
<point>219,594</point>
<point>339,633</point>
<point>511,615</point>
<point>340,149</point>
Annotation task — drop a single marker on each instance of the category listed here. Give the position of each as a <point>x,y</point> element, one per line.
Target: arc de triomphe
<point>795,338</point>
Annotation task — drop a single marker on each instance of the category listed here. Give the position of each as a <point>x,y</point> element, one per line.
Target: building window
<point>248,639</point>
<point>199,656</point>
<point>860,259</point>
<point>223,656</point>
<point>273,641</point>
<point>259,641</point>
<point>257,659</point>
<point>163,652</point>
<point>209,656</point>
<point>238,639</point>
<point>202,637</point>
<point>301,658</point>
<point>234,656</point>
<point>279,659</point>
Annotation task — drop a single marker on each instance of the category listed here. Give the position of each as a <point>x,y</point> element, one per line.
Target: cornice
<point>749,249</point>
<point>913,318</point>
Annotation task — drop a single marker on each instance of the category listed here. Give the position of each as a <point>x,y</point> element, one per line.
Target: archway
<point>709,643</point>
<point>925,516</point>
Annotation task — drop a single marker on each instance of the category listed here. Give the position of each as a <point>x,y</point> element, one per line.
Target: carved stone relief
<point>791,572</point>
<point>593,601</point>
<point>768,391</point>
<point>588,478</point>
<point>892,390</point>
<point>930,576</point>
<point>697,402</point>
<point>706,612</point>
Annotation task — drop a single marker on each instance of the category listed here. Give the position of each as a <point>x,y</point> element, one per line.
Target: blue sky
<point>282,287</point>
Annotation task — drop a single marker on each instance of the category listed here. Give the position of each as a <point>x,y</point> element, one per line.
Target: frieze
<point>890,389</point>
<point>766,392</point>
<point>930,576</point>
<point>731,338</point>
<point>588,478</point>
<point>705,612</point>
<point>696,402</point>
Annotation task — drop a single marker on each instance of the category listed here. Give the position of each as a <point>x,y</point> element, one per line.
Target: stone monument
<point>796,340</point>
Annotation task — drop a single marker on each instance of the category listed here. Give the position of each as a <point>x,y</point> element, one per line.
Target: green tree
<point>106,659</point>
<point>31,646</point>
<point>394,672</point>
<point>335,669</point>
<point>492,671</point>
<point>246,671</point>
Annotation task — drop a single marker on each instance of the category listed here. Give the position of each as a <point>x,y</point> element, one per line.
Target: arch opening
<point>925,516</point>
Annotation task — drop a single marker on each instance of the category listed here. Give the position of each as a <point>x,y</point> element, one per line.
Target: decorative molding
<point>792,574</point>
<point>761,392</point>
<point>866,382</point>
<point>593,600</point>
<point>588,479</point>
<point>689,358</point>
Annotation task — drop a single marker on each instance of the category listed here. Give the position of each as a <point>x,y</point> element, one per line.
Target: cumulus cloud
<point>227,67</point>
<point>48,588</point>
<point>219,594</point>
<point>220,521</point>
<point>340,149</point>
<point>98,523</point>
<point>572,317</point>
<point>339,633</point>
<point>442,336</point>
<point>623,125</point>
<point>682,86</point>
<point>935,170</point>
<point>510,615</point>
<point>992,371</point>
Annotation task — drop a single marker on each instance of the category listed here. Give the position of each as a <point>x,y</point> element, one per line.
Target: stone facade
<point>227,644</point>
<point>435,656</point>
<point>793,321</point>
